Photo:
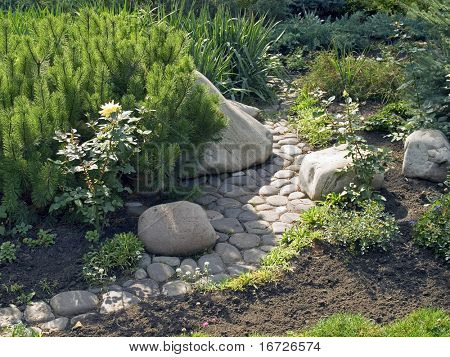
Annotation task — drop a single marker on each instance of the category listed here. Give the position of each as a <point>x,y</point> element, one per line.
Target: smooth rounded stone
<point>257,227</point>
<point>264,207</point>
<point>277,200</point>
<point>172,261</point>
<point>280,227</point>
<point>231,191</point>
<point>243,180</point>
<point>176,229</point>
<point>144,289</point>
<point>228,203</point>
<point>288,141</point>
<point>215,264</point>
<point>114,301</point>
<point>248,216</point>
<point>135,209</point>
<point>299,159</point>
<point>128,283</point>
<point>268,190</point>
<point>140,274</point>
<point>288,189</point>
<point>281,209</point>
<point>219,278</point>
<point>229,253</point>
<point>245,240</point>
<point>258,200</point>
<point>222,237</point>
<point>114,287</point>
<point>232,212</point>
<point>145,261</point>
<point>253,255</point>
<point>300,205</point>
<point>176,288</point>
<point>263,173</point>
<point>272,168</point>
<point>267,248</point>
<point>188,266</point>
<point>227,225</point>
<point>83,318</point>
<point>296,181</point>
<point>280,130</point>
<point>293,167</point>
<point>279,161</point>
<point>238,269</point>
<point>276,146</point>
<point>277,138</point>
<point>237,174</point>
<point>286,157</point>
<point>160,272</point>
<point>59,324</point>
<point>296,196</point>
<point>10,316</point>
<point>279,183</point>
<point>269,216</point>
<point>205,200</point>
<point>248,207</point>
<point>38,311</point>
<point>270,239</point>
<point>291,150</point>
<point>212,215</point>
<point>71,303</point>
<point>289,217</point>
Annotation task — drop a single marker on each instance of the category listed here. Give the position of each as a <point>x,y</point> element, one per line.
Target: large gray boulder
<point>321,172</point>
<point>427,155</point>
<point>176,229</point>
<point>245,141</point>
<point>71,303</point>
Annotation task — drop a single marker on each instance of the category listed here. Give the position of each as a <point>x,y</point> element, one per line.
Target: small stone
<point>212,262</point>
<point>114,301</point>
<point>10,316</point>
<point>188,266</point>
<point>83,318</point>
<point>172,261</point>
<point>248,207</point>
<point>277,200</point>
<point>160,272</point>
<point>145,261</point>
<point>135,209</point>
<point>70,303</point>
<point>269,216</point>
<point>264,207</point>
<point>222,237</point>
<point>140,274</point>
<point>288,141</point>
<point>280,227</point>
<point>284,174</point>
<point>270,239</point>
<point>128,283</point>
<point>300,205</point>
<point>232,212</point>
<point>243,180</point>
<point>114,288</point>
<point>288,189</point>
<point>253,255</point>
<point>267,248</point>
<point>257,200</point>
<point>281,209</point>
<point>38,312</point>
<point>279,183</point>
<point>237,174</point>
<point>299,159</point>
<point>291,150</point>
<point>176,288</point>
<point>144,289</point>
<point>212,215</point>
<point>229,253</point>
<point>205,200</point>
<point>238,269</point>
<point>245,240</point>
<point>248,216</point>
<point>289,217</point>
<point>227,225</point>
<point>59,324</point>
<point>219,278</point>
<point>228,203</point>
<point>268,190</point>
<point>257,227</point>
<point>296,196</point>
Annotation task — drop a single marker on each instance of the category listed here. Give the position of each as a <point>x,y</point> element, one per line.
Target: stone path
<point>249,211</point>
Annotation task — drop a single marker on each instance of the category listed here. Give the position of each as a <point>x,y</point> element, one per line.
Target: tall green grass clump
<point>58,70</point>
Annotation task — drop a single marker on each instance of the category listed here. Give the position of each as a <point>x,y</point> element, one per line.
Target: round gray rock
<point>160,272</point>
<point>176,288</point>
<point>76,302</point>
<point>37,312</point>
<point>59,324</point>
<point>176,229</point>
<point>10,316</point>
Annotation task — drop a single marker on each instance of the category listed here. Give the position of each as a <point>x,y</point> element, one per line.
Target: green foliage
<point>100,162</point>
<point>44,239</point>
<point>20,330</point>
<point>362,77</point>
<point>432,230</point>
<point>8,252</point>
<point>296,61</point>
<point>389,118</point>
<point>92,236</point>
<point>122,252</point>
<point>357,230</point>
<point>311,120</point>
<point>56,72</point>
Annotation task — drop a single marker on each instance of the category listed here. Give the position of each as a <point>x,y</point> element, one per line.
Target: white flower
<point>178,270</point>
<point>206,264</point>
<point>109,108</point>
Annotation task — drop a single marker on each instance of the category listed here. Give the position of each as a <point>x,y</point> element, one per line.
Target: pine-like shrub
<point>56,72</point>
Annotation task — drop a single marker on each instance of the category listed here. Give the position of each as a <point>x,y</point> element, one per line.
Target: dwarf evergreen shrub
<point>56,72</point>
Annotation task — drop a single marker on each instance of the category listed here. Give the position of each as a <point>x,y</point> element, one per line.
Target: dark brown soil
<point>325,280</point>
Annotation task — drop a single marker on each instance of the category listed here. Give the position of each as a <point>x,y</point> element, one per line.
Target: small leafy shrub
<point>357,230</point>
<point>8,252</point>
<point>92,236</point>
<point>100,162</point>
<point>432,230</point>
<point>296,62</point>
<point>389,118</point>
<point>362,77</point>
<point>122,252</point>
<point>311,120</point>
<point>44,239</point>
<point>21,330</point>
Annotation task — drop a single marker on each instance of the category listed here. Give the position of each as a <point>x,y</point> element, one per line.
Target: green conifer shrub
<point>59,69</point>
